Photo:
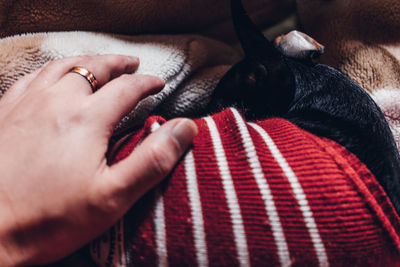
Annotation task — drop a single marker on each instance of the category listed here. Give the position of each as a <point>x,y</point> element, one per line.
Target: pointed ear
<point>299,45</point>
<point>253,42</point>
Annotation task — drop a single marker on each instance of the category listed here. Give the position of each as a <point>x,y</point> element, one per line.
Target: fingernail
<point>184,132</point>
<point>162,81</point>
<point>131,68</point>
<point>134,58</point>
<point>160,84</point>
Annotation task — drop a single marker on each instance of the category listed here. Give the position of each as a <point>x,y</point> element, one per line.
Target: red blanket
<point>265,193</point>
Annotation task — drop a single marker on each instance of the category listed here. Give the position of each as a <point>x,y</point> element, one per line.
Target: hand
<point>56,190</point>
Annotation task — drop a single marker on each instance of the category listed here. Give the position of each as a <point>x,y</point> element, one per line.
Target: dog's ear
<point>254,43</point>
<point>298,45</point>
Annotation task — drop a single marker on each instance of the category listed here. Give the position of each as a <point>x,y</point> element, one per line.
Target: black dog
<point>315,97</point>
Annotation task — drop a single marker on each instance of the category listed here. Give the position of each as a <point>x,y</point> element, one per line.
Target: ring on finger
<point>87,75</point>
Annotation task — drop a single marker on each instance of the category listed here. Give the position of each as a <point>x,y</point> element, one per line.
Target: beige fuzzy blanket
<point>191,65</point>
<point>362,39</point>
<point>211,17</point>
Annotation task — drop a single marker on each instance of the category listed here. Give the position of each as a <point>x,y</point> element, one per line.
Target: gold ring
<point>88,76</point>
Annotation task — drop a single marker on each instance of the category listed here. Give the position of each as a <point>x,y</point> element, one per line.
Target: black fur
<point>315,97</point>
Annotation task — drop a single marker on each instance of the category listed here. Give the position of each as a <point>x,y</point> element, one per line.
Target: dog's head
<point>264,66</point>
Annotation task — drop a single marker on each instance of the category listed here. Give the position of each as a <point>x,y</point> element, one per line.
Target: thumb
<point>125,182</point>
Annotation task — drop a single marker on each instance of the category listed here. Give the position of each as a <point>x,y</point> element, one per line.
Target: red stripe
<point>299,242</point>
<point>217,221</point>
<point>355,218</point>
<point>336,235</point>
<point>139,233</point>
<point>139,229</point>
<point>262,248</point>
<point>178,222</point>
<point>369,188</point>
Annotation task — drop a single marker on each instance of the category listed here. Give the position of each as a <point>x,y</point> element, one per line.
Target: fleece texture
<point>256,194</point>
<point>389,101</point>
<point>191,65</point>
<point>134,17</point>
<point>362,39</point>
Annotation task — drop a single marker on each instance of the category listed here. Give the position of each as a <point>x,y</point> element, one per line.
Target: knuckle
<point>76,118</point>
<point>51,64</point>
<point>143,83</point>
<point>75,113</point>
<point>126,78</point>
<point>49,67</point>
<point>54,64</point>
<point>83,58</point>
<point>58,60</point>
<point>107,204</point>
<point>112,60</point>
<point>121,63</point>
<point>125,82</point>
<point>81,115</point>
<point>81,61</point>
<point>69,118</point>
<point>104,199</point>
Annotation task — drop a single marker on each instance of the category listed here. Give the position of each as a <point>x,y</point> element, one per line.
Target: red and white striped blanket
<point>256,194</point>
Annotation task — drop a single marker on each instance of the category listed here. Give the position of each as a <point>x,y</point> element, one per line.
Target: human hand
<point>56,190</point>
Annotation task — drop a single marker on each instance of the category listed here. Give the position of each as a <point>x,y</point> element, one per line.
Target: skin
<point>56,190</point>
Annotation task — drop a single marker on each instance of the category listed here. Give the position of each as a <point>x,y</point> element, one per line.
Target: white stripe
<point>160,238</point>
<point>265,191</point>
<point>197,213</point>
<point>159,222</point>
<point>154,126</point>
<point>230,194</point>
<point>300,197</point>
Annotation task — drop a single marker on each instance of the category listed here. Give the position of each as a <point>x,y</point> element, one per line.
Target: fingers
<point>125,182</point>
<point>120,95</point>
<point>103,67</point>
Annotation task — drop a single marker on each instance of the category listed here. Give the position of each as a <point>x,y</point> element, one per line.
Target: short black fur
<point>314,97</point>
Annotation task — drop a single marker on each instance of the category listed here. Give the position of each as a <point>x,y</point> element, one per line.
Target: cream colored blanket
<point>191,65</point>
